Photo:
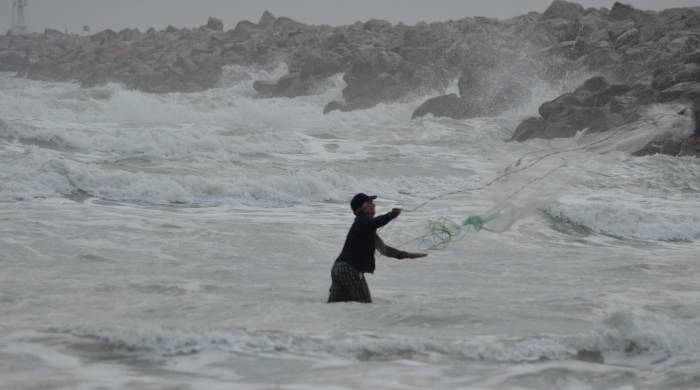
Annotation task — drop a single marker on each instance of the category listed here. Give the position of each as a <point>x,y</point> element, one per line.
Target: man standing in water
<point>357,256</point>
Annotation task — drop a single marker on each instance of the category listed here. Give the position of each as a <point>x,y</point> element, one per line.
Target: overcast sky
<point>118,14</point>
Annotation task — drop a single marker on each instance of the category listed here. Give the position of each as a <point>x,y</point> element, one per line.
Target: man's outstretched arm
<point>388,251</point>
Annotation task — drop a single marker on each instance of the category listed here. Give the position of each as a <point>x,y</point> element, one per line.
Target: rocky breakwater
<point>498,63</point>
<point>598,106</point>
<point>381,62</point>
<point>171,60</point>
<point>622,43</point>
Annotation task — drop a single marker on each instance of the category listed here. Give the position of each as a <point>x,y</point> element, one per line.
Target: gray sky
<point>118,14</point>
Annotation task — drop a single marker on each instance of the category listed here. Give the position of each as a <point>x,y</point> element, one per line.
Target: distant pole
<point>19,24</point>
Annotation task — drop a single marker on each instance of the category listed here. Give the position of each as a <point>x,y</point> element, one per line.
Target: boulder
<point>266,20</point>
<point>338,106</point>
<point>572,119</point>
<point>532,127</point>
<point>618,28</point>
<point>594,27</point>
<point>600,55</point>
<point>625,105</point>
<point>128,34</point>
<point>602,98</point>
<point>693,57</point>
<point>622,11</point>
<point>562,30</point>
<point>376,25</point>
<point>561,9</point>
<point>553,107</point>
<point>244,30</point>
<point>215,24</point>
<point>688,91</point>
<point>691,146</point>
<point>661,146</point>
<point>12,61</point>
<point>289,25</point>
<point>687,72</point>
<point>334,42</point>
<point>104,37</point>
<point>334,106</point>
<point>378,76</point>
<point>441,106</point>
<point>628,38</point>
<point>663,78</point>
<point>666,77</point>
<point>287,86</point>
<point>593,84</point>
<point>317,65</point>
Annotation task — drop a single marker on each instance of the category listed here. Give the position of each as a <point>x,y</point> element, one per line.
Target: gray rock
<point>691,146</point>
<point>594,27</point>
<point>601,54</point>
<point>687,91</point>
<point>104,37</point>
<point>572,119</point>
<point>376,25</point>
<point>552,108</point>
<point>591,356</point>
<point>617,28</point>
<point>215,24</point>
<point>667,77</point>
<point>562,30</point>
<point>335,106</point>
<point>442,106</point>
<point>622,11</point>
<point>663,78</point>
<point>128,34</point>
<point>338,106</point>
<point>377,76</point>
<point>532,127</point>
<point>266,20</point>
<point>51,31</point>
<point>287,86</point>
<point>629,37</point>
<point>625,106</point>
<point>602,98</point>
<point>560,9</point>
<point>334,42</point>
<point>687,72</point>
<point>593,84</point>
<point>661,145</point>
<point>12,61</point>
<point>244,30</point>
<point>318,66</point>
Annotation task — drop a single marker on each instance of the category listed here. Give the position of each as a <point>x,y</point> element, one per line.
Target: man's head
<point>363,204</point>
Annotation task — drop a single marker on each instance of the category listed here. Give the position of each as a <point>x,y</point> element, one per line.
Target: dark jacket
<point>362,240</point>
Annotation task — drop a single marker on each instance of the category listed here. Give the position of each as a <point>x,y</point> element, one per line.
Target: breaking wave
<point>629,332</point>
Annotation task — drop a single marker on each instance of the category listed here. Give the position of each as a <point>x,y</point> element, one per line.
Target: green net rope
<point>443,231</point>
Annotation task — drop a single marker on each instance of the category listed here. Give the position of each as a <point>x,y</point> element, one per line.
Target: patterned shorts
<point>348,285</point>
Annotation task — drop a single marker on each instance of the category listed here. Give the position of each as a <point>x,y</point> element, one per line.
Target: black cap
<point>360,199</point>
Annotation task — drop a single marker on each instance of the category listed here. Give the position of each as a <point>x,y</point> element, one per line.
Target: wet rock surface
<point>598,106</point>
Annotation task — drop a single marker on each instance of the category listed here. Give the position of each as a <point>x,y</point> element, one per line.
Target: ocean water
<point>184,241</point>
